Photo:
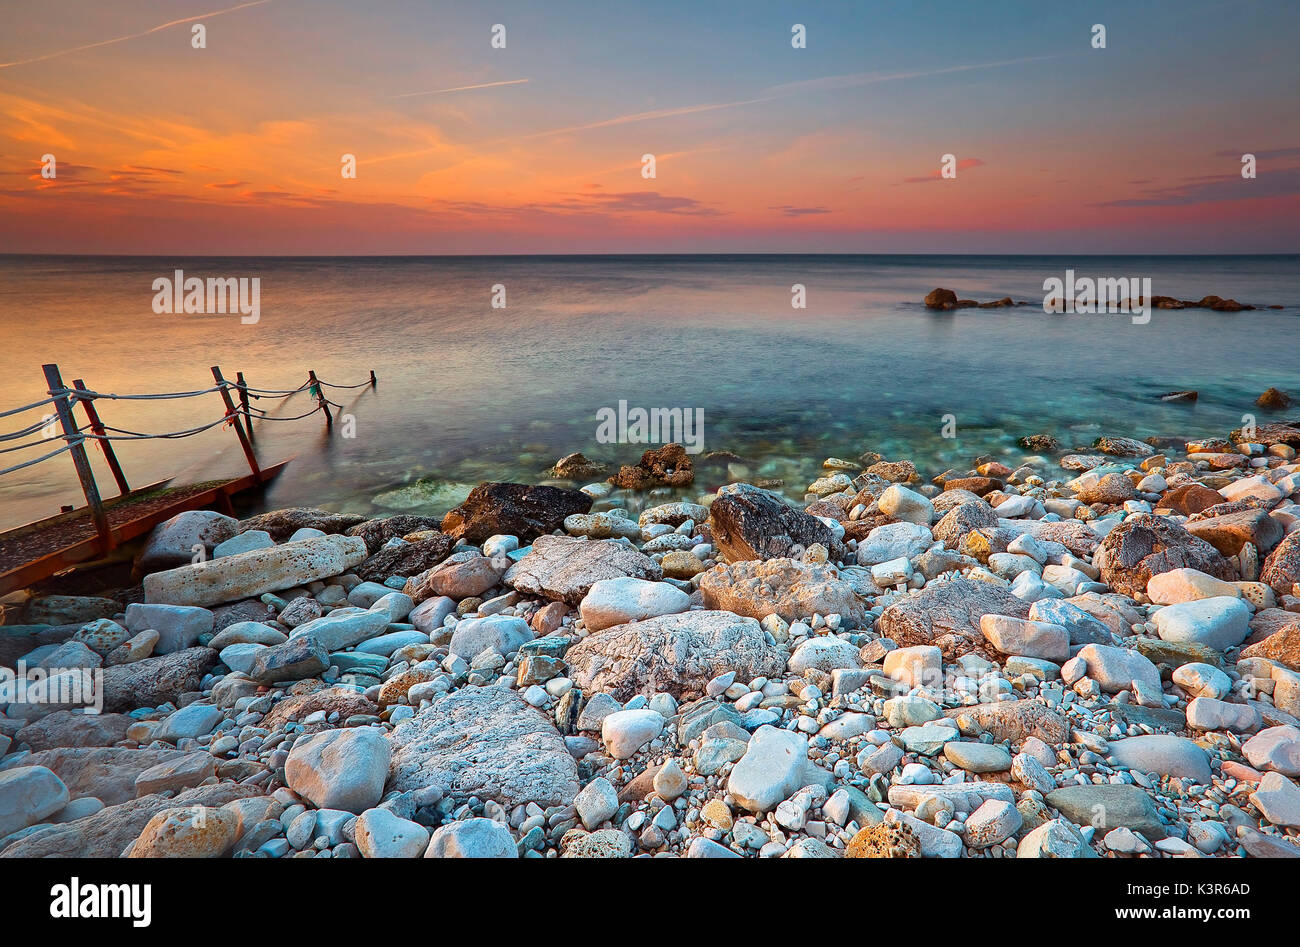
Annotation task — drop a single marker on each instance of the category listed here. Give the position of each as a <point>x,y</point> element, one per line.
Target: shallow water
<point>467,392</point>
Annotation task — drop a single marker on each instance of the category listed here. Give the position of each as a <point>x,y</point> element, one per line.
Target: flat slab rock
<point>69,729</point>
<point>564,568</point>
<point>1108,806</point>
<point>485,742</point>
<point>674,654</point>
<point>947,615</point>
<point>107,773</point>
<point>110,830</point>
<point>785,587</point>
<point>155,681</point>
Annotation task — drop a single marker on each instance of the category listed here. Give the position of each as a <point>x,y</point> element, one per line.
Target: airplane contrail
<point>462,88</point>
<point>123,39</point>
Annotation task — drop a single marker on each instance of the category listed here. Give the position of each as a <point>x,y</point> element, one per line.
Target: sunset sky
<point>462,148</point>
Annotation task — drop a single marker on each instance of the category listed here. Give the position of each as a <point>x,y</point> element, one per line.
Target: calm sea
<point>469,392</point>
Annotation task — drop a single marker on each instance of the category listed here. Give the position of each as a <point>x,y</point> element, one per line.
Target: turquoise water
<point>468,392</point>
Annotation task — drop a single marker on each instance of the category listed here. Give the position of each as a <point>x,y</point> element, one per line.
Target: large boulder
<point>675,654</point>
<point>173,542</point>
<point>293,660</point>
<point>564,568</point>
<point>749,523</point>
<point>178,626</point>
<point>281,524</point>
<point>501,633</point>
<point>512,509</point>
<point>485,742</point>
<point>774,767</point>
<point>618,601</point>
<point>340,769</point>
<point>960,520</point>
<point>1108,806</point>
<point>1145,545</point>
<point>464,575</point>
<point>1221,622</point>
<point>947,615</point>
<point>786,587</point>
<point>188,832</point>
<point>155,681</point>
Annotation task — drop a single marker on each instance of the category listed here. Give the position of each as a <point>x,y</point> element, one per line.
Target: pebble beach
<point>1068,651</point>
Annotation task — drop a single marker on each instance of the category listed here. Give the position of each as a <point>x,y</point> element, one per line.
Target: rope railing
<point>53,453</point>
<point>63,399</point>
<point>27,407</point>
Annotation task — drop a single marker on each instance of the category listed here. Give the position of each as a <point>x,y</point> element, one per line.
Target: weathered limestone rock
<point>108,832</point>
<point>947,615</point>
<point>487,742</point>
<point>1281,569</point>
<point>786,587</point>
<point>108,773</point>
<point>675,654</point>
<point>188,832</point>
<point>564,568</point>
<point>155,681</point>
<point>70,728</point>
<point>250,574</point>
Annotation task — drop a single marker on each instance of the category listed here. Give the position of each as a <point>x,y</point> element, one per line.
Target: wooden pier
<point>38,550</point>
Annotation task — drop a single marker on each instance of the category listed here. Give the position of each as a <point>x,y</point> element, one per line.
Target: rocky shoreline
<point>1001,661</point>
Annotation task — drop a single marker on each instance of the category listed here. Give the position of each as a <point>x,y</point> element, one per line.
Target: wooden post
<point>233,415</point>
<point>243,402</point>
<point>54,381</point>
<point>92,415</point>
<point>320,400</point>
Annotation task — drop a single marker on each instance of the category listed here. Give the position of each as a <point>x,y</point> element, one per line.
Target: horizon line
<point>631,253</point>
